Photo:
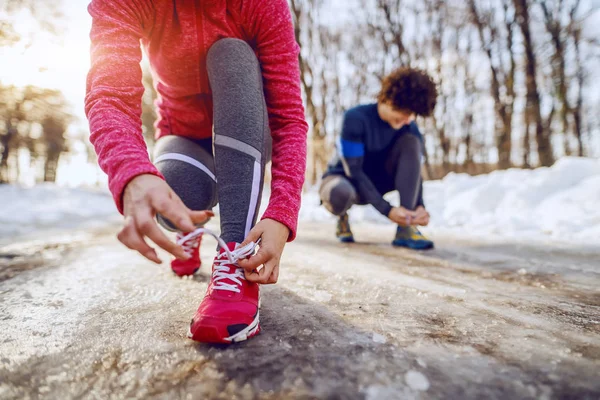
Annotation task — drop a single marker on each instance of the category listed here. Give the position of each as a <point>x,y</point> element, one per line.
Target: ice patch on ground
<point>416,381</point>
<point>48,207</point>
<point>559,203</point>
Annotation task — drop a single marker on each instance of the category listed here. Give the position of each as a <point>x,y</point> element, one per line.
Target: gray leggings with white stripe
<point>234,175</point>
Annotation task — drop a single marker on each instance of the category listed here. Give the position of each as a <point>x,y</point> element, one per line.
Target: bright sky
<point>60,63</point>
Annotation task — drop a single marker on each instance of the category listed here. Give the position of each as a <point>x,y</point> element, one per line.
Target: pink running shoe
<point>191,247</point>
<point>229,311</point>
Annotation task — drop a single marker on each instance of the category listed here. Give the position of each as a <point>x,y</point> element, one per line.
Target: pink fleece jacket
<point>176,35</point>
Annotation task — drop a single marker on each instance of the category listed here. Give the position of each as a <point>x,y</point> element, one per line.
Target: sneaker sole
<point>209,334</point>
<point>413,245</point>
<point>184,275</point>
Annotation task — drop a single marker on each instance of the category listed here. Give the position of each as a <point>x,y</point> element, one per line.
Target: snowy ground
<point>47,207</point>
<point>558,205</point>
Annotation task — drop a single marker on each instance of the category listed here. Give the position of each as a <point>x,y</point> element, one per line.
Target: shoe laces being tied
<point>224,261</point>
<point>190,244</point>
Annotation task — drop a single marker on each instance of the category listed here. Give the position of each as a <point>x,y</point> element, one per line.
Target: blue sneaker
<point>409,236</point>
<point>343,232</point>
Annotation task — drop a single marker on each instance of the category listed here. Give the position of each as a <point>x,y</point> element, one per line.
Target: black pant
<point>400,170</point>
<point>234,174</point>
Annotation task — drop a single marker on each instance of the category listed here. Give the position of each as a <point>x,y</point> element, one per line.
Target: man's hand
<point>273,236</point>
<point>422,216</point>
<point>144,197</point>
<point>402,216</point>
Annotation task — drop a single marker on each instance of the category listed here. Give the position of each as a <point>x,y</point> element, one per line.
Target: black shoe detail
<point>233,329</point>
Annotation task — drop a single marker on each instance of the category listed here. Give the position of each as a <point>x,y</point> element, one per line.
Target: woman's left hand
<point>273,237</point>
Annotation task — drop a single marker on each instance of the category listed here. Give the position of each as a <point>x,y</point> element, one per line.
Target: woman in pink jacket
<point>227,77</point>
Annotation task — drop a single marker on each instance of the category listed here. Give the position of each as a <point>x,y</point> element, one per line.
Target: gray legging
<point>242,141</point>
<point>401,171</point>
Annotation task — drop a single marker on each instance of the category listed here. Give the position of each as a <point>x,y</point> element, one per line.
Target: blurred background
<point>519,83</point>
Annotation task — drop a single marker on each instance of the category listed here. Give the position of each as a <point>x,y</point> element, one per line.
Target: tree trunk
<point>542,136</point>
<point>527,139</point>
<point>6,141</point>
<point>50,166</point>
<point>578,109</point>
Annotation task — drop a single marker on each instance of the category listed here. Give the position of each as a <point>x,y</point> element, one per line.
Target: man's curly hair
<point>409,89</point>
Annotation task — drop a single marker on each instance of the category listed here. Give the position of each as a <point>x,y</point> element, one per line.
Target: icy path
<point>82,317</point>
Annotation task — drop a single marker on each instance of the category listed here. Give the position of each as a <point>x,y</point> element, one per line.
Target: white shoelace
<point>221,270</point>
<point>188,245</point>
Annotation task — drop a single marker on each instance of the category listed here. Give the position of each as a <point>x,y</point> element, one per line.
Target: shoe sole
<point>209,334</point>
<point>412,245</point>
<point>184,275</point>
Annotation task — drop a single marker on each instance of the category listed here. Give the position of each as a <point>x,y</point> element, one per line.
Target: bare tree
<point>497,41</point>
<point>21,111</point>
<point>542,133</point>
<point>47,15</point>
<point>557,23</point>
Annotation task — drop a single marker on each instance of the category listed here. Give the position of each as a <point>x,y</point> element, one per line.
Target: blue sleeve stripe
<point>352,149</point>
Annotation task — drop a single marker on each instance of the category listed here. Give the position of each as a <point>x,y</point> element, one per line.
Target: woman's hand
<point>144,197</point>
<point>273,237</point>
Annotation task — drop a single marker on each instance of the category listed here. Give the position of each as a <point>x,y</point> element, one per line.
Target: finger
<point>423,221</point>
<point>274,275</point>
<point>253,236</point>
<point>418,221</point>
<point>147,227</point>
<point>263,275</point>
<point>256,260</point>
<point>174,210</point>
<point>201,217</point>
<point>132,239</point>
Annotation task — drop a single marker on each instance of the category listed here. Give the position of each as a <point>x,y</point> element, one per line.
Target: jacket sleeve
<point>114,92</point>
<point>352,152</point>
<point>272,29</point>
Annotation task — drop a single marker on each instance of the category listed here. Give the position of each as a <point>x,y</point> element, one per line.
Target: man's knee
<point>410,142</point>
<point>337,195</point>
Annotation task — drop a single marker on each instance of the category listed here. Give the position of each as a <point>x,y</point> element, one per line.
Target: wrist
<point>388,210</point>
<point>281,227</point>
<point>284,218</point>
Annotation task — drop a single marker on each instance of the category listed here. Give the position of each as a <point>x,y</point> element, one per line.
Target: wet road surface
<point>83,317</point>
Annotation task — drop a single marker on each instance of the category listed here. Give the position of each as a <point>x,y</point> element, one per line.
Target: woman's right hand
<point>144,197</point>
<point>402,216</point>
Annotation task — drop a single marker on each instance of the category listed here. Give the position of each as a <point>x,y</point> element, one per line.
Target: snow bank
<point>561,202</point>
<point>47,206</point>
